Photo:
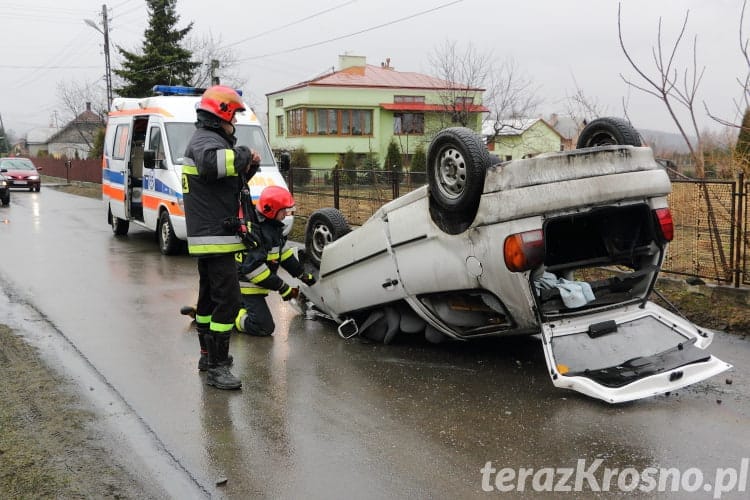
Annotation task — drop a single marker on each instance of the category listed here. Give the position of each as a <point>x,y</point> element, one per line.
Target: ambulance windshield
<point>179,134</point>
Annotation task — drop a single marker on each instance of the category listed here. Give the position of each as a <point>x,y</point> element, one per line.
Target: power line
<point>335,7</point>
<point>389,23</point>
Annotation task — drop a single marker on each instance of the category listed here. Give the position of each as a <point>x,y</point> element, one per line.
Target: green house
<point>521,138</point>
<point>362,107</point>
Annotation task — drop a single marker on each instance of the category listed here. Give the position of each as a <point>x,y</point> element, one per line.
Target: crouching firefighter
<point>211,182</point>
<point>258,266</point>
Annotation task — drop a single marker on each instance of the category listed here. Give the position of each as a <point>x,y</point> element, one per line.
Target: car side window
<point>155,143</point>
<point>120,146</point>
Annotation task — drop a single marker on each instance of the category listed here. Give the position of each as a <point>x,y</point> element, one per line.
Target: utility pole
<point>105,32</point>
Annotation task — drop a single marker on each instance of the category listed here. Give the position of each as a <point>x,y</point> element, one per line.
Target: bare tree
<point>465,72</point>
<point>743,104</point>
<point>215,62</point>
<point>77,97</point>
<point>674,87</point>
<point>508,94</point>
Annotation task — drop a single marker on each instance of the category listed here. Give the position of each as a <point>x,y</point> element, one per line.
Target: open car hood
<point>628,353</point>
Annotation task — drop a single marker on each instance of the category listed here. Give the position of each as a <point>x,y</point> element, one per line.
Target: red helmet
<point>272,199</point>
<point>221,101</point>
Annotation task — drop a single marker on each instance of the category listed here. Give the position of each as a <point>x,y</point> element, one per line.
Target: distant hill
<point>662,142</point>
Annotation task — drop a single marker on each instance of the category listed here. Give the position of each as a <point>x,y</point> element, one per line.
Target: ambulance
<point>144,144</point>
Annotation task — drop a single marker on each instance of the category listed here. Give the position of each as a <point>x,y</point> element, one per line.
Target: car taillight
<point>664,217</point>
<point>524,251</point>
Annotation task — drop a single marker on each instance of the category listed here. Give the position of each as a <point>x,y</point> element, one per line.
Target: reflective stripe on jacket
<point>210,187</point>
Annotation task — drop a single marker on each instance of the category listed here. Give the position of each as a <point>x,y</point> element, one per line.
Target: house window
<point>326,121</point>
<point>464,101</point>
<point>280,125</point>
<point>408,98</point>
<point>296,120</point>
<point>408,123</point>
<point>279,103</point>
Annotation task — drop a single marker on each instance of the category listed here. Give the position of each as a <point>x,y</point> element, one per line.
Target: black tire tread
<point>621,130</point>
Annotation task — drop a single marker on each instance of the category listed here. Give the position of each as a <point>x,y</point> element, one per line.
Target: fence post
<point>740,238</point>
<point>290,178</point>
<point>394,181</point>
<point>336,182</point>
<point>68,166</point>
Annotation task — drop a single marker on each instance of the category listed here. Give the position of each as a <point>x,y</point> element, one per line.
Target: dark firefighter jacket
<point>258,266</point>
<point>210,188</point>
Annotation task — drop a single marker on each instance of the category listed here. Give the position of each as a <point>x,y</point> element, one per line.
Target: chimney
<point>88,106</point>
<point>347,61</point>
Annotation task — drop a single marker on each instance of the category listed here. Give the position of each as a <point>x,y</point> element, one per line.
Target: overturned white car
<point>565,245</point>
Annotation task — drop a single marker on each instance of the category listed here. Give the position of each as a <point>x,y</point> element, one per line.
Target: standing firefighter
<point>212,176</point>
<point>259,266</point>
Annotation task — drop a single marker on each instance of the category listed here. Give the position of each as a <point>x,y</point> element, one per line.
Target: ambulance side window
<point>155,143</point>
<point>120,146</point>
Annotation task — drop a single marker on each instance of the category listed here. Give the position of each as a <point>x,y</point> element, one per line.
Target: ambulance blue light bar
<point>181,90</point>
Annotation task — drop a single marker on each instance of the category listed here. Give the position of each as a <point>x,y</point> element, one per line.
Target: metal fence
<point>710,217</point>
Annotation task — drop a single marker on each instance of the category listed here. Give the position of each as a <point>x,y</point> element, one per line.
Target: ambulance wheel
<point>169,244</point>
<point>119,226</point>
<point>608,131</point>
<point>324,226</point>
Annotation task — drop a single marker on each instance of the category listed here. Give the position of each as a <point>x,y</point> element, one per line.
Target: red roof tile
<point>375,76</point>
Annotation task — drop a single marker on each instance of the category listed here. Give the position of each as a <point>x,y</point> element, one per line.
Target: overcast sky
<point>560,45</point>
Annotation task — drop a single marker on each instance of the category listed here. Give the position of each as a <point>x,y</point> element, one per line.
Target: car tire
<point>457,162</point>
<point>169,244</point>
<point>6,201</point>
<point>119,226</point>
<point>608,131</point>
<point>38,188</point>
<point>324,226</point>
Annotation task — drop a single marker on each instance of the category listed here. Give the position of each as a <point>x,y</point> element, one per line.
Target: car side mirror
<point>285,161</point>
<point>3,170</point>
<point>38,168</point>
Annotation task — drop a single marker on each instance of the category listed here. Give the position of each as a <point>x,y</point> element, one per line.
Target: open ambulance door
<point>628,353</point>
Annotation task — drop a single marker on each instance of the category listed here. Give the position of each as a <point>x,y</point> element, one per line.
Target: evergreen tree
<point>742,150</point>
<point>300,161</point>
<point>4,142</point>
<point>393,161</point>
<point>349,167</point>
<point>97,149</point>
<point>162,59</point>
<point>372,165</point>
<point>419,166</point>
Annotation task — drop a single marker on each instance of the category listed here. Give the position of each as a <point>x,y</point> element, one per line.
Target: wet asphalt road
<point>321,417</point>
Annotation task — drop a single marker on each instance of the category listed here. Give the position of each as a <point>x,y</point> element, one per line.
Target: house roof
<point>40,135</point>
<point>86,122</point>
<point>420,106</point>
<point>375,77</point>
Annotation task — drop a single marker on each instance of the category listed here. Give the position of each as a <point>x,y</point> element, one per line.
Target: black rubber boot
<point>204,332</point>
<point>219,375</point>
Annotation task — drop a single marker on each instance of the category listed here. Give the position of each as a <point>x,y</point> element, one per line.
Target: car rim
<point>164,234</point>
<point>321,237</point>
<point>451,173</point>
<point>603,139</point>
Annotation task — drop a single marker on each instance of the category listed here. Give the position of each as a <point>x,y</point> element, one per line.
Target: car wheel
<point>169,244</point>
<point>324,226</point>
<point>31,189</point>
<point>38,188</point>
<point>608,131</point>
<point>457,161</point>
<point>6,201</point>
<point>119,226</point>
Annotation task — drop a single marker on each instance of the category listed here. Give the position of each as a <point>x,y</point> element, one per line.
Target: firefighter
<point>258,267</point>
<point>212,176</point>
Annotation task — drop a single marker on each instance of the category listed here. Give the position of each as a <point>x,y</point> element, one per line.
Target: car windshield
<point>179,134</point>
<point>16,164</point>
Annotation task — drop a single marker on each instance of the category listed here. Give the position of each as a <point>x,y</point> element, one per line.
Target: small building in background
<point>521,138</point>
<point>76,138</point>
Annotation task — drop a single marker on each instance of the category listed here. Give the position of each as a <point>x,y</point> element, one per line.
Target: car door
<point>628,353</point>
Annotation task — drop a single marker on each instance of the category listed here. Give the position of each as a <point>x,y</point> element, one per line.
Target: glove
<point>288,293</point>
<point>307,278</point>
<point>242,157</point>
